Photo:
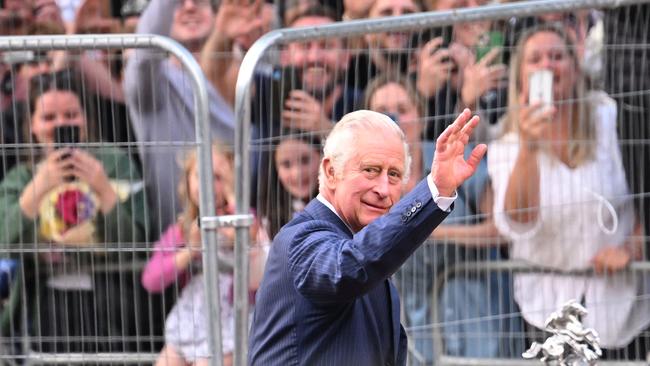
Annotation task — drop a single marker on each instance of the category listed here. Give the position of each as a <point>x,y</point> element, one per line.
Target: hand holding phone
<point>434,67</point>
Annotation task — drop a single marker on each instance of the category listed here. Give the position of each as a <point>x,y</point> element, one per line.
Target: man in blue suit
<point>326,297</point>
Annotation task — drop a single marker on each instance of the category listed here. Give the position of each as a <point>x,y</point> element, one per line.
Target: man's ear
<point>330,174</point>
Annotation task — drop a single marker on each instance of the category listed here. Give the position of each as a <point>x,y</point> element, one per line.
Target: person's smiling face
<point>297,164</point>
<point>371,181</point>
<point>546,50</point>
<point>193,21</point>
<point>53,109</point>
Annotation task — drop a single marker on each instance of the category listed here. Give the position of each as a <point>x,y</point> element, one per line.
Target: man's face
<point>371,181</point>
<point>193,20</point>
<point>320,60</point>
<point>389,8</point>
<point>468,33</point>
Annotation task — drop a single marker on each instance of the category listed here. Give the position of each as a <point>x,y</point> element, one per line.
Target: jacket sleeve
<point>127,224</point>
<point>161,271</point>
<point>143,67</point>
<point>15,227</point>
<point>328,267</point>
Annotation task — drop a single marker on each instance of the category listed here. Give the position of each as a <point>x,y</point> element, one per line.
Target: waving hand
<point>450,169</point>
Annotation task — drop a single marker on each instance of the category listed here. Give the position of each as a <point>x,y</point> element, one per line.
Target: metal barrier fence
<point>274,114</point>
<point>130,248</point>
<point>253,150</point>
<point>510,267</point>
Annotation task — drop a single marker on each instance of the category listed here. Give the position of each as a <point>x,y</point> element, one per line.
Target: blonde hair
<point>583,129</point>
<point>190,210</point>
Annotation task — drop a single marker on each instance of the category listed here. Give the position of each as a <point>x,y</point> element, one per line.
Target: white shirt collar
<point>327,204</point>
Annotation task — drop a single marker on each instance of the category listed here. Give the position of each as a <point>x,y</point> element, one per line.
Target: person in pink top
<point>177,259</point>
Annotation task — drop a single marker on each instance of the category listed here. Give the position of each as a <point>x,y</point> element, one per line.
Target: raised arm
<point>171,259</point>
<point>328,267</point>
<point>16,227</point>
<point>142,68</point>
<point>235,18</point>
<point>99,78</point>
<point>522,195</point>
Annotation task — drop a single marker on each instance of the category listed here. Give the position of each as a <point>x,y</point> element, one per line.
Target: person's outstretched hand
<point>238,18</point>
<point>450,169</point>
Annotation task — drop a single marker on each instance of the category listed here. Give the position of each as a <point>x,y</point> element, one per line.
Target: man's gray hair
<point>340,144</point>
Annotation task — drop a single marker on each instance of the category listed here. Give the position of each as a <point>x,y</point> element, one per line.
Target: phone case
<point>540,87</point>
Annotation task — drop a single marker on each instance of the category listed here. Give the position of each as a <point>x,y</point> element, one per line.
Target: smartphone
<point>66,136</point>
<point>540,87</point>
<point>285,80</point>
<point>489,41</point>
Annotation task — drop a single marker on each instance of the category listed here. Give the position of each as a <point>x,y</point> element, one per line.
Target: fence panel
<point>421,69</point>
<point>76,236</point>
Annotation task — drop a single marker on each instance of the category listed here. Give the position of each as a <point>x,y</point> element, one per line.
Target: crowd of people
<point>97,169</point>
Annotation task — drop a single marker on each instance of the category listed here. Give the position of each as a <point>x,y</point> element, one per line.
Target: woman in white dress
<point>562,198</point>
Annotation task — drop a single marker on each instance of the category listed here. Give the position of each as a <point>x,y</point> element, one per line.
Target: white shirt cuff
<point>443,202</point>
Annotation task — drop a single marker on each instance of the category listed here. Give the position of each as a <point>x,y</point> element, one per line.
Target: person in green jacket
<point>71,209</point>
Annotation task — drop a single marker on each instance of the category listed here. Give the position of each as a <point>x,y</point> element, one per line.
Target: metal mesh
<point>82,231</point>
<point>85,303</point>
<point>462,294</point>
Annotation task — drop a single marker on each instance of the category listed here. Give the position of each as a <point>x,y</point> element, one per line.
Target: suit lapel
<point>321,212</point>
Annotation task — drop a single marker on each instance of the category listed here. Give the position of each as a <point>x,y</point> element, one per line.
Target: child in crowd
<point>176,259</point>
<point>293,178</point>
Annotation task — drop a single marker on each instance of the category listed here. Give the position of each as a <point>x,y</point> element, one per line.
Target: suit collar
<point>320,210</point>
<point>329,205</point>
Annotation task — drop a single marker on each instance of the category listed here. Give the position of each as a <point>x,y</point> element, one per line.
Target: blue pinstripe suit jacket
<point>326,297</point>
